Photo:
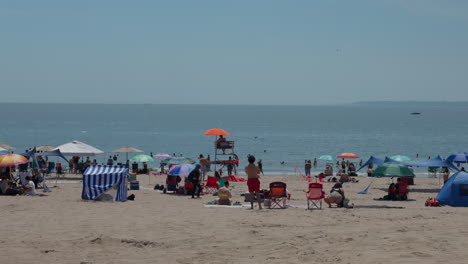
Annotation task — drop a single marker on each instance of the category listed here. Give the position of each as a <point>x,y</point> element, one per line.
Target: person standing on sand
<point>253,182</point>
<point>260,166</point>
<point>194,178</point>
<point>307,167</point>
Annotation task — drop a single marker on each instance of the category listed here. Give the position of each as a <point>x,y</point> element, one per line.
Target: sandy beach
<point>163,228</point>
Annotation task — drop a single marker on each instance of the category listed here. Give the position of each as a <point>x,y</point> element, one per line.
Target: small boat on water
<point>416,113</point>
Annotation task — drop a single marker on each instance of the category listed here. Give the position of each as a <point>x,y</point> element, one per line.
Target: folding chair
<point>314,195</point>
<point>211,185</point>
<point>277,195</point>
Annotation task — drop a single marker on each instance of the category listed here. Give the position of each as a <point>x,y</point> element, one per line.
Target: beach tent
<point>98,179</point>
<point>455,190</point>
<point>77,148</point>
<point>372,160</point>
<point>436,162</point>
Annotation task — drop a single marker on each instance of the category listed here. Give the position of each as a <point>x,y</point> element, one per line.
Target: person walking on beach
<point>315,162</point>
<point>260,166</point>
<point>307,167</point>
<point>194,178</point>
<point>253,182</point>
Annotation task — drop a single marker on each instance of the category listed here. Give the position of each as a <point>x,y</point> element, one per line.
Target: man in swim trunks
<point>253,182</point>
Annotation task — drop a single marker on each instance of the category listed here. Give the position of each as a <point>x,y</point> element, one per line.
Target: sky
<point>233,52</point>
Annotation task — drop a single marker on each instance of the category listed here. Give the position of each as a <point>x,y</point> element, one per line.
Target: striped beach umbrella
<point>8,160</point>
<point>181,169</point>
<point>347,155</point>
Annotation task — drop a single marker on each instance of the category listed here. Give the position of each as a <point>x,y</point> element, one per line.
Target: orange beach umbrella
<point>348,155</point>
<point>8,160</point>
<point>216,132</point>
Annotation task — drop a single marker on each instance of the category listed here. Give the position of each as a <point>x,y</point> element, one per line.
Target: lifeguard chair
<point>223,149</point>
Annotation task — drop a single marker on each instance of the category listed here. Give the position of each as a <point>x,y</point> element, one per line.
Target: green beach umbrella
<point>142,158</point>
<point>401,158</point>
<point>327,158</point>
<point>392,169</point>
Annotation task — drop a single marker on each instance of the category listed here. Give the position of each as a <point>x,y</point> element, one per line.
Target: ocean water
<point>275,134</point>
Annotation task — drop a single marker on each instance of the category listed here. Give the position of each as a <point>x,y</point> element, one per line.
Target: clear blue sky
<point>233,52</point>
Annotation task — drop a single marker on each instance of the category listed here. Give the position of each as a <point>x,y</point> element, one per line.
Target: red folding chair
<point>277,195</point>
<point>211,185</point>
<point>314,195</point>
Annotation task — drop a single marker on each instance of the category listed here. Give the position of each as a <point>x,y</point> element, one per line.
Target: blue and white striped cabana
<point>98,179</point>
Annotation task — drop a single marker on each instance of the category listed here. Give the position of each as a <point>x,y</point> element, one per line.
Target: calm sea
<point>275,134</point>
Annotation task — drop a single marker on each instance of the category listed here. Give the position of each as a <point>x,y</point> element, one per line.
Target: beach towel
<point>224,206</point>
<point>407,200</point>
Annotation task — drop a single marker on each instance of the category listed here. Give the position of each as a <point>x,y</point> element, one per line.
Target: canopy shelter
<point>127,150</point>
<point>436,162</point>
<point>98,179</point>
<point>455,190</point>
<point>77,148</point>
<point>372,160</point>
<point>34,154</point>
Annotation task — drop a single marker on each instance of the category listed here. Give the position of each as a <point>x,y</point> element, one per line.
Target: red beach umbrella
<point>347,155</point>
<point>216,132</point>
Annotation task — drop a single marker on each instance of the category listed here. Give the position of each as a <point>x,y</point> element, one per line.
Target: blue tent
<point>436,162</point>
<point>372,160</point>
<point>98,179</point>
<point>455,190</point>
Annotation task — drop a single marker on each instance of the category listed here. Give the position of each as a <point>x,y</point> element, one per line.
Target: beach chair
<point>211,185</point>
<point>315,195</point>
<point>277,195</point>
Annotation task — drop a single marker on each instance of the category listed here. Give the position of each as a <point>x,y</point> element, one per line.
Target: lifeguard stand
<point>224,149</point>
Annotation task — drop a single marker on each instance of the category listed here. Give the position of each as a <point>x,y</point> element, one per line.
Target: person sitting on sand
<point>336,196</point>
<point>391,192</point>
<point>7,187</point>
<point>224,195</point>
<point>30,187</point>
<point>344,177</point>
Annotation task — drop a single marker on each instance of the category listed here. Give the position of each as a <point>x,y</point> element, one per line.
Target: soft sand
<point>161,228</point>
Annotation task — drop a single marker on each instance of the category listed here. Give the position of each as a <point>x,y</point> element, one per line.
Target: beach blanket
<point>225,206</point>
<point>379,206</point>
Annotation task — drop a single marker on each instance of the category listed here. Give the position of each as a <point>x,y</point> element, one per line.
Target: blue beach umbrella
<point>181,169</point>
<point>459,157</point>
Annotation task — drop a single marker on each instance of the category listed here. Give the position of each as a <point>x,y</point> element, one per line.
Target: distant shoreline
<point>359,103</point>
